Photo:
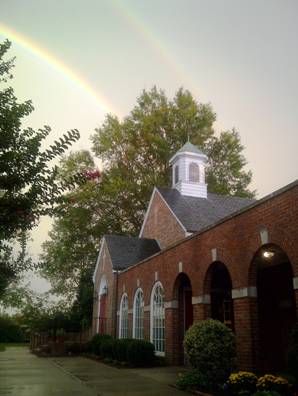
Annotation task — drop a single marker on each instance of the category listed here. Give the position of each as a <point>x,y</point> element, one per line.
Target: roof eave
<point>188,153</point>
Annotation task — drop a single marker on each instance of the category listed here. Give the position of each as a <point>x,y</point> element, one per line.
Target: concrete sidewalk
<point>23,374</point>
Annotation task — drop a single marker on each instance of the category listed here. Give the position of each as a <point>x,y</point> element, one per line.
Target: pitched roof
<point>190,148</point>
<point>126,251</point>
<point>196,213</point>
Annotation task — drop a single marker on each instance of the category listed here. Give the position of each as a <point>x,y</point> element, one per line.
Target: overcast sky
<point>78,60</point>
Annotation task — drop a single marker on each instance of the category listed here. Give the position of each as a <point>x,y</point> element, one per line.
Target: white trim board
<point>98,259</point>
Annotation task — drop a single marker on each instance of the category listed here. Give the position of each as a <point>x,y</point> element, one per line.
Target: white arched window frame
<point>194,172</point>
<point>102,291</point>
<point>176,174</point>
<point>138,315</point>
<point>123,317</point>
<point>157,319</point>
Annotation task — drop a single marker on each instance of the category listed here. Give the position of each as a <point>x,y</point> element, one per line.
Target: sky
<point>79,60</point>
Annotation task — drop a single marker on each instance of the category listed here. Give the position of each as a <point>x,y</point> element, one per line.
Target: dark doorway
<point>183,292</point>
<point>221,294</point>
<point>276,306</point>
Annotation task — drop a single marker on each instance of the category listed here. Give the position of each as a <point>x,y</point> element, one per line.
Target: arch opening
<point>183,295</point>
<point>221,295</point>
<point>276,305</point>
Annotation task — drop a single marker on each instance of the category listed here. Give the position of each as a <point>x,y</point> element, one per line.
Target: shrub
<point>210,347</point>
<point>293,353</point>
<point>120,348</point>
<point>271,383</point>
<point>10,331</point>
<point>191,382</point>
<point>2,348</point>
<point>106,348</point>
<point>140,353</point>
<point>95,343</point>
<point>242,381</point>
<point>74,348</point>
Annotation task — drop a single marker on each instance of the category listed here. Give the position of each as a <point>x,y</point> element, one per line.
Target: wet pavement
<point>24,374</point>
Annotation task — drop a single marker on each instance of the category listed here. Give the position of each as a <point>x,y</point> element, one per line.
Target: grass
<point>4,345</point>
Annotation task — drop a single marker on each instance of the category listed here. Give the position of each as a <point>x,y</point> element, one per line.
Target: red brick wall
<point>105,269</point>
<point>237,240</point>
<point>161,224</point>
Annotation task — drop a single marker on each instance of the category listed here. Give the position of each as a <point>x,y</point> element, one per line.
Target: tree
<point>29,186</point>
<point>74,238</point>
<point>135,154</point>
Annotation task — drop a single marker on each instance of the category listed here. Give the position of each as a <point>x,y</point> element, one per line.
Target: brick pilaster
<point>172,336</point>
<point>201,312</point>
<point>246,331</point>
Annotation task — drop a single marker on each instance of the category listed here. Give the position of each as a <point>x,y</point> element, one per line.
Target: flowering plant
<point>271,382</point>
<point>242,381</point>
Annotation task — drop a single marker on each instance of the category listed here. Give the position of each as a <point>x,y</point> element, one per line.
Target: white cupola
<point>188,171</point>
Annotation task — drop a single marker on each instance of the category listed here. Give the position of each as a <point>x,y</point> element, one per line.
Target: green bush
<point>107,348</point>
<point>96,341</point>
<point>10,331</point>
<point>293,353</point>
<point>210,348</point>
<point>2,348</point>
<point>192,381</point>
<point>120,348</point>
<point>140,353</point>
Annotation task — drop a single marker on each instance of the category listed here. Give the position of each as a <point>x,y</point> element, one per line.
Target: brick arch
<point>253,267</point>
<point>182,316</point>
<point>203,264</point>
<point>218,287</point>
<point>276,236</point>
<point>175,286</point>
<point>272,321</point>
<point>208,275</point>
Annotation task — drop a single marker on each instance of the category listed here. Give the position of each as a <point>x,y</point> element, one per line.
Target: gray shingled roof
<point>190,148</point>
<point>197,213</point>
<point>126,251</point>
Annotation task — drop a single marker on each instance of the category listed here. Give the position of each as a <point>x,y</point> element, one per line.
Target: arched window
<point>123,320</point>
<point>138,315</point>
<point>176,171</point>
<point>158,318</point>
<point>102,304</point>
<point>194,172</point>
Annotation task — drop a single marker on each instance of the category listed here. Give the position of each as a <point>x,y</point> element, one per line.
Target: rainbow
<point>123,9</point>
<point>56,64</point>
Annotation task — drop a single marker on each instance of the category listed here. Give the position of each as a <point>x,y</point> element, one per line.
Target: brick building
<point>202,255</point>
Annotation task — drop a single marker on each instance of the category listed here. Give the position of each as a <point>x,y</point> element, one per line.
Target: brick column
<point>201,307</point>
<point>246,327</point>
<point>172,332</point>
